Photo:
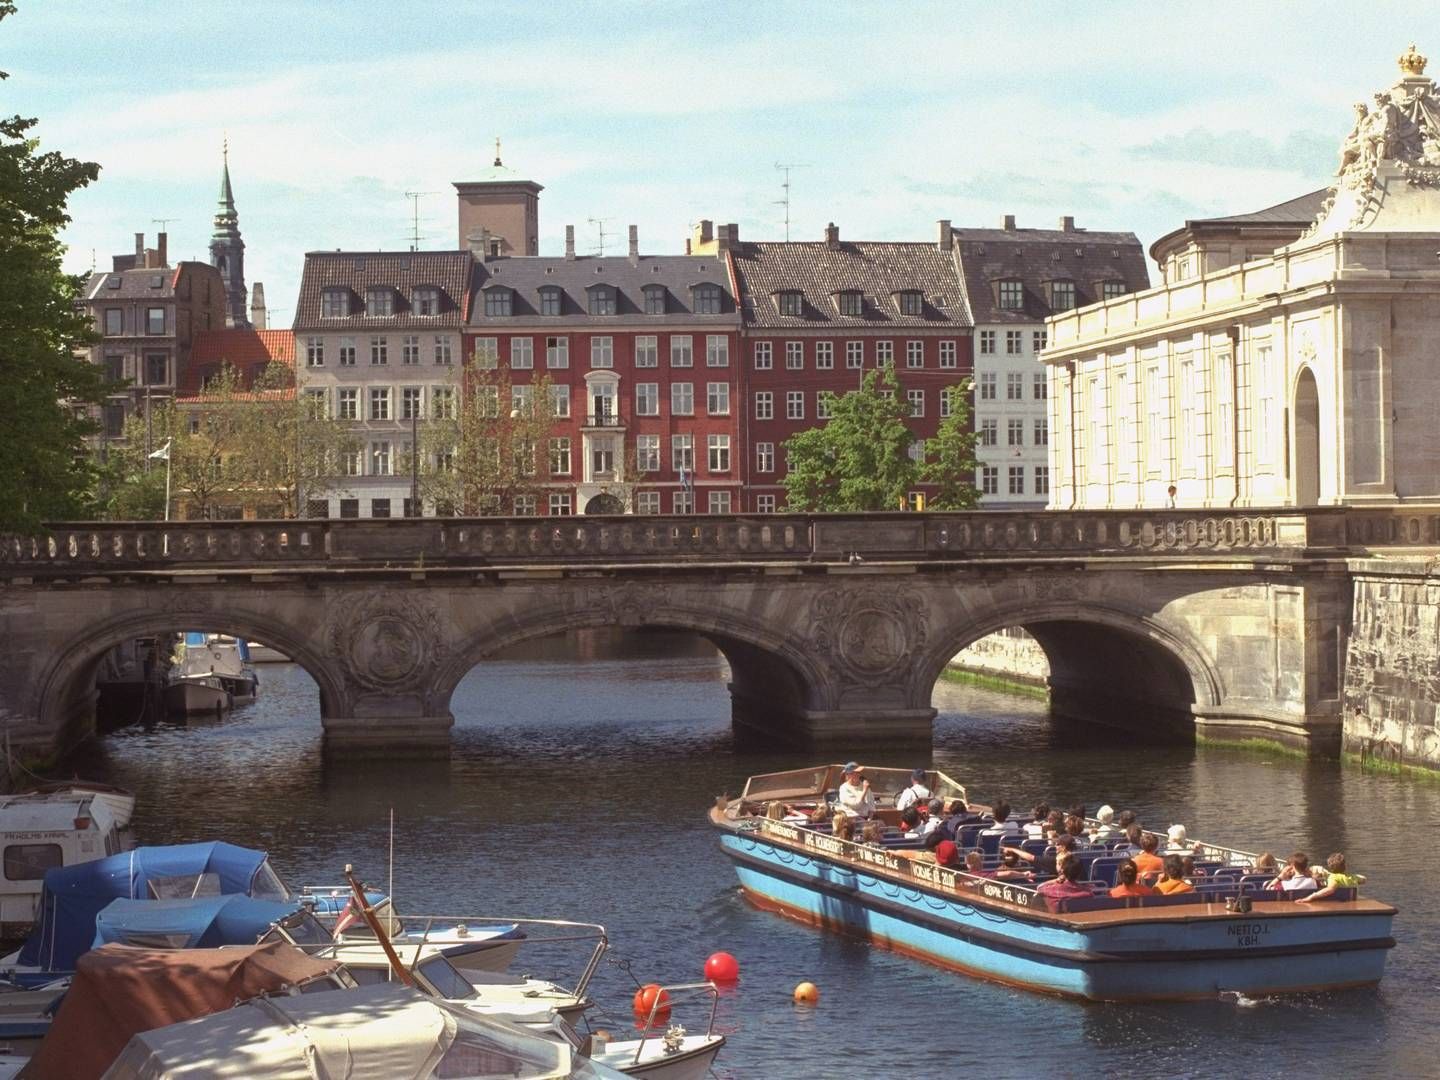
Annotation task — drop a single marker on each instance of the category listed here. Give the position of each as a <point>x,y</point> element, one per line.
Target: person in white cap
<point>1178,844</point>
<point>856,798</point>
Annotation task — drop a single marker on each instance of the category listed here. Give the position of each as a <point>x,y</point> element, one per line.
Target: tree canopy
<point>950,455</point>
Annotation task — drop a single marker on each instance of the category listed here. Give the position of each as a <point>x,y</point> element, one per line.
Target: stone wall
<point>1392,670</point>
<point>1011,654</point>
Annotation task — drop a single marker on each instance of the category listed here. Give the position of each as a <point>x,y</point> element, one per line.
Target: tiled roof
<point>403,271</point>
<point>819,272</point>
<point>249,352</point>
<point>527,275</point>
<point>157,284</point>
<point>1037,257</point>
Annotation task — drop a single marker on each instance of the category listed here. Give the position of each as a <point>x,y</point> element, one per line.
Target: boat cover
<point>204,922</point>
<point>119,990</point>
<point>380,1032</point>
<point>74,895</point>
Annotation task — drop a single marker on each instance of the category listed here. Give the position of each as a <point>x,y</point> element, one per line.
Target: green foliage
<point>950,455</point>
<point>46,471</point>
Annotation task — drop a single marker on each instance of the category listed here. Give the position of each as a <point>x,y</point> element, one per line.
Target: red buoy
<point>721,967</point>
<point>646,998</point>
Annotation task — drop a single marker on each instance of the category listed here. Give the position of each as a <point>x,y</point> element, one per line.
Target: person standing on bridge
<point>856,798</point>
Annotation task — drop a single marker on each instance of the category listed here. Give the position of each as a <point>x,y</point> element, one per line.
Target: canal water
<point>581,774</point>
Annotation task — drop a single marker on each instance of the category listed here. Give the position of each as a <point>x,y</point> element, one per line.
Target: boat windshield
<point>448,982</point>
<point>266,885</point>
<point>788,785</point>
<point>185,886</point>
<point>302,928</point>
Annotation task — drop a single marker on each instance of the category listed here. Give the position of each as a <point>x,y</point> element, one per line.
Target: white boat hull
<point>691,1061</point>
<point>191,697</point>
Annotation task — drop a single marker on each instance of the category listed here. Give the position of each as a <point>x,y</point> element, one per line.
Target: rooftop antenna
<point>414,197</point>
<point>163,222</point>
<point>599,223</point>
<point>785,168</point>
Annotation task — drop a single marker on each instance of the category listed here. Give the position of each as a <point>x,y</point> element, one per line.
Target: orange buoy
<point>648,997</point>
<point>807,993</point>
<point>721,967</point>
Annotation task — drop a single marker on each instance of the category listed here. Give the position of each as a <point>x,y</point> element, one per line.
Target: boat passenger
<point>1336,877</point>
<point>947,854</point>
<point>1187,864</point>
<point>1129,883</point>
<point>1148,861</point>
<point>1125,820</point>
<point>856,798</point>
<point>840,826</point>
<point>1075,826</point>
<point>1106,829</point>
<point>1035,827</point>
<point>1296,875</point>
<point>1173,879</point>
<point>915,794</point>
<point>872,834</point>
<point>934,817</point>
<point>954,814</point>
<point>1067,885</point>
<point>1178,844</point>
<point>1265,864</point>
<point>1131,845</point>
<point>1045,863</point>
<point>1003,826</point>
<point>910,824</point>
<point>1010,868</point>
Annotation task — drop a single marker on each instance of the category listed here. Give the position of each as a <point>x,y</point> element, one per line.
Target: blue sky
<point>1128,116</point>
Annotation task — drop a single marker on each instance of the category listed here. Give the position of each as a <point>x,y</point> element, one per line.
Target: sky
<point>1128,116</point>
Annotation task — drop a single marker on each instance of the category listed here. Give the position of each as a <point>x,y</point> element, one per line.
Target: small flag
<point>163,454</point>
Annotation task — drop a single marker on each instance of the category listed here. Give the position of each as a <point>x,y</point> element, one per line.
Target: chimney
<point>1067,224</point>
<point>703,234</point>
<point>570,241</point>
<point>726,237</point>
<point>140,249</point>
<point>832,236</point>
<point>161,246</point>
<point>1008,223</point>
<point>257,307</point>
<point>945,234</point>
<point>634,245</point>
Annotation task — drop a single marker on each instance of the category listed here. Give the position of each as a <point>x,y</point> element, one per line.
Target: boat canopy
<point>380,1032</point>
<point>118,991</point>
<point>206,921</point>
<point>73,896</point>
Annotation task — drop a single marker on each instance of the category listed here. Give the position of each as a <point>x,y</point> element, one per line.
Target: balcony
<point>603,420</point>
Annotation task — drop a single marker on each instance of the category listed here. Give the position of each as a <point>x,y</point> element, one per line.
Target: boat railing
<point>665,999</point>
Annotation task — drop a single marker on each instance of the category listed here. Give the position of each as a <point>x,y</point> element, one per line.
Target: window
<point>791,302</point>
<point>718,453</point>
<point>317,508</point>
<point>707,300</point>
<point>682,502</point>
<point>522,353</point>
<point>557,352</point>
<point>682,399</point>
<point>317,404</point>
<point>1265,391</point>
<point>1039,385</point>
<point>350,508</point>
<point>987,386</point>
<point>949,354</point>
<point>988,428</point>
<point>647,502</point>
<point>412,402</point>
<point>911,302</point>
<point>560,402</point>
<point>794,355</point>
<point>1062,295</point>
<point>884,354</point>
<point>1224,410</point>
<point>647,351</point>
<point>987,342</point>
<point>854,354</point>
<point>602,352</point>
<point>1124,440</point>
<point>682,452</point>
<point>989,480</point>
<point>647,453</point>
<point>1187,411</point>
<point>1016,479</point>
<point>157,369</point>
<point>379,302</point>
<point>1042,432</point>
<point>560,457</point>
<point>114,321</point>
<point>550,300</point>
<point>442,403</point>
<point>1014,432</point>
<point>717,398</point>
<point>1039,339</point>
<point>1014,386</point>
<point>28,862</point>
<point>425,300</point>
<point>379,351</point>
<point>602,300</point>
<point>917,403</point>
<point>647,399</point>
<point>379,508</point>
<point>654,299</point>
<point>524,505</point>
<point>348,403</point>
<point>764,405</point>
<point>764,504</point>
<point>682,351</point>
<point>1014,343</point>
<point>523,454</point>
<point>719,502</point>
<point>522,401</point>
<point>487,399</point>
<point>410,349</point>
<point>498,302</point>
<point>334,303</point>
<point>155,320</point>
<point>824,404</point>
<point>945,402</point>
<point>795,404</point>
<point>1011,297</point>
<point>1109,290</point>
<point>347,352</point>
<point>560,505</point>
<point>850,302</point>
<point>487,353</point>
<point>824,355</point>
<point>379,459</point>
<point>1095,415</point>
<point>1042,479</point>
<point>314,352</point>
<point>764,356</point>
<point>717,350</point>
<point>354,462</point>
<point>914,354</point>
<point>379,403</point>
<point>1152,419</point>
<point>765,457</point>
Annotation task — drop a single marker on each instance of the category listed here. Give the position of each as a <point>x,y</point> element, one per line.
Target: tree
<point>860,459</point>
<point>46,471</point>
<point>950,455</point>
<point>291,444</point>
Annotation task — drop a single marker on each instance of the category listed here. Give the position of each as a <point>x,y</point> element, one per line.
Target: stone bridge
<point>835,626</point>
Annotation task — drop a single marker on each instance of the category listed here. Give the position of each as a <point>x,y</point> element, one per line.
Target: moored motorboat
<point>1227,935</point>
<point>117,800</point>
<point>43,831</point>
<point>196,695</point>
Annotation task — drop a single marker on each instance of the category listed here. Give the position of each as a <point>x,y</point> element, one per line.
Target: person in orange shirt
<point>1147,862</point>
<point>1174,879</point>
<point>1129,884</point>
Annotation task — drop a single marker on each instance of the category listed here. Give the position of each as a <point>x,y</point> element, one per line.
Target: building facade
<point>1013,280</point>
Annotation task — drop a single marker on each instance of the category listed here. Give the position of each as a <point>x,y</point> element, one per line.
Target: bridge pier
<point>841,730</point>
<point>407,737</point>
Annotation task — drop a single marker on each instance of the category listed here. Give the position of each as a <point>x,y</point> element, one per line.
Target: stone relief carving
<point>624,605</point>
<point>387,640</point>
<point>871,633</point>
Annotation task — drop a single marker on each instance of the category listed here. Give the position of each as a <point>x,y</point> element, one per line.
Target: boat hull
<point>1186,955</point>
<point>189,698</point>
<point>691,1061</point>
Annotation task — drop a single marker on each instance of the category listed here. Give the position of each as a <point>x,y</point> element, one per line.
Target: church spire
<point>227,249</point>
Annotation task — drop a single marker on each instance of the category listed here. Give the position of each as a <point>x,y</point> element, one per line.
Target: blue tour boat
<point>1231,934</point>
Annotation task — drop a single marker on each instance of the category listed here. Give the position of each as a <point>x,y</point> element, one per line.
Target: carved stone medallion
<point>387,640</point>
<point>870,632</point>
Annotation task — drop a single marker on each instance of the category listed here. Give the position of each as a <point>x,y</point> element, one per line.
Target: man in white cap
<point>856,798</point>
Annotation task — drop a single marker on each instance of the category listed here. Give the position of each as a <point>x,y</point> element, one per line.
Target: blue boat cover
<point>74,895</point>
<point>205,922</point>
<point>195,639</point>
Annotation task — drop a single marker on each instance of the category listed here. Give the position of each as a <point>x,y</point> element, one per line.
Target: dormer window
<point>425,300</point>
<point>1109,290</point>
<point>654,299</point>
<point>911,302</point>
<point>550,300</point>
<point>379,302</point>
<point>707,299</point>
<point>602,299</point>
<point>334,303</point>
<point>499,301</point>
<point>1011,295</point>
<point>1062,295</point>
<point>850,302</point>
<point>791,301</point>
